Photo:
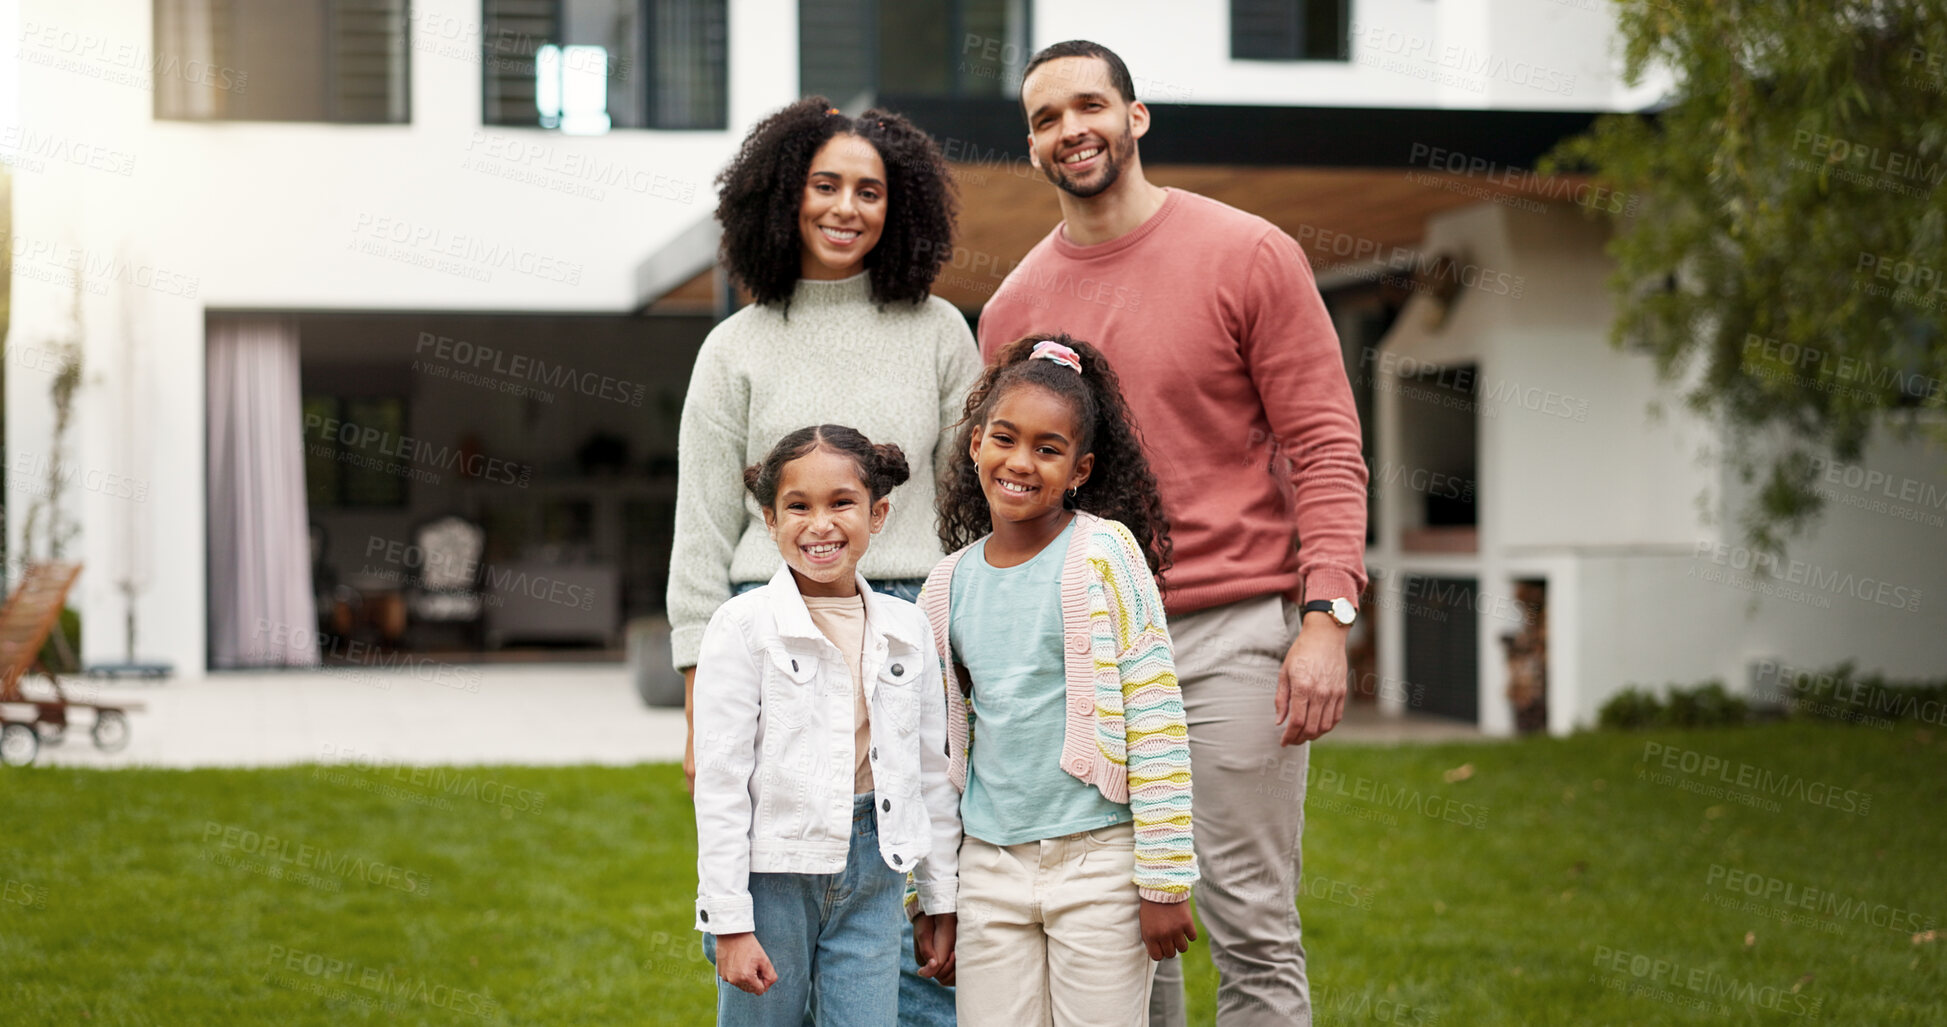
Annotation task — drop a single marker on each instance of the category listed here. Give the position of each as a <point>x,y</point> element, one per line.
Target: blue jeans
<point>831,937</point>
<point>923,1002</point>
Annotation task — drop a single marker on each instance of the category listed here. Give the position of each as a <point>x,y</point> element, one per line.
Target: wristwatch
<point>1341,610</point>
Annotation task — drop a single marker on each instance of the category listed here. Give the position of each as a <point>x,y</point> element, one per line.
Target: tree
<point>1789,268</point>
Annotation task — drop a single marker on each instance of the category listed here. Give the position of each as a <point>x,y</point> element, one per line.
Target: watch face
<point>1343,612</point>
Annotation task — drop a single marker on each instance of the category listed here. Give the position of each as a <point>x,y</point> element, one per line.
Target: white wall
<point>1468,54</point>
<point>261,215</point>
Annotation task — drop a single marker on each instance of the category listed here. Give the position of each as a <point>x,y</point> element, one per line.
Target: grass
<point>1542,881</point>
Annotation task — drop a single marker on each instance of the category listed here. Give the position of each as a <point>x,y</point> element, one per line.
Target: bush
<point>1840,696</point>
<point>1704,705</point>
<point>1629,710</point>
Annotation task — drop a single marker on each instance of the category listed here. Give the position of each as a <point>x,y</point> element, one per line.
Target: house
<point>447,261</point>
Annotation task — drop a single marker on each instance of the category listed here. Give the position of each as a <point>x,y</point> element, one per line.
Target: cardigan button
<point>1082,704</point>
<point>1077,644</point>
<point>1078,765</point>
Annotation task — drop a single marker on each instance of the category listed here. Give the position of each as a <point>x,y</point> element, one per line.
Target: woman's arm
<point>726,758</point>
<point>710,514</point>
<point>959,367</point>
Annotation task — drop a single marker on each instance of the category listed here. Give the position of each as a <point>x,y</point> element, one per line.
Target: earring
<point>1071,495</point>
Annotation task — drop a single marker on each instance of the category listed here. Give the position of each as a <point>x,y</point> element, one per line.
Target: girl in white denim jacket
<point>821,751</point>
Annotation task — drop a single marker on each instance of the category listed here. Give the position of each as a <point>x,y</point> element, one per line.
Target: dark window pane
<point>282,60</point>
<point>1288,30</point>
<point>952,47</point>
<point>689,64</point>
<point>664,63</point>
<point>837,47</point>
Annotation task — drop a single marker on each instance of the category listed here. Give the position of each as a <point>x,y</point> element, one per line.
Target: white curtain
<point>261,608</point>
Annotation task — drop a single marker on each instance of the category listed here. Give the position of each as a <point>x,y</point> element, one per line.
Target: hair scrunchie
<point>1049,349</point>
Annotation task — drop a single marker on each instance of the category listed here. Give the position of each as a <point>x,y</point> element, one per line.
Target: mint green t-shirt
<point>1005,628</point>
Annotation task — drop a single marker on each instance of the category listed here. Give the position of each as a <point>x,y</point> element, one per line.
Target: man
<point>1216,328</point>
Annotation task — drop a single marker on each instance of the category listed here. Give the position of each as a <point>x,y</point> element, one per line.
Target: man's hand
<point>1311,681</point>
<point>933,943</point>
<point>689,730</point>
<point>1167,928</point>
<point>742,962</point>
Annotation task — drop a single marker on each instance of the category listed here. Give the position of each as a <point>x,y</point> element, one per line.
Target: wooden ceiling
<point>1005,209</point>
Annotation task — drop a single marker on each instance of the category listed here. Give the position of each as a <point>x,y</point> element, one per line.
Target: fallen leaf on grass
<point>1750,938</point>
<point>1460,773</point>
<point>1926,937</point>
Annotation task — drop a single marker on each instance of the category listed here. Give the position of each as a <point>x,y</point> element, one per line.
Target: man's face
<point>1081,133</point>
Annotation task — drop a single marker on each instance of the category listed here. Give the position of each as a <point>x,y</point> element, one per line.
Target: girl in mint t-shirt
<point>1077,860</point>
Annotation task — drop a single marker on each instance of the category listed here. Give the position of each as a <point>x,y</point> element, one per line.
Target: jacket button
<point>885,805</point>
<point>794,666</point>
<point>875,752</point>
<point>898,669</point>
<point>896,861</point>
<point>704,915</point>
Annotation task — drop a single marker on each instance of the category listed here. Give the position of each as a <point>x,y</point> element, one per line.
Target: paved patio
<point>552,714</point>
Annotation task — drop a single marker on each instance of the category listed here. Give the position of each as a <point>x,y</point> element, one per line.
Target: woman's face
<point>843,211</point>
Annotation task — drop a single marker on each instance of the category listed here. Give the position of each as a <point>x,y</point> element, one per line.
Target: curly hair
<point>1121,487</point>
<point>882,467</point>
<point>762,188</point>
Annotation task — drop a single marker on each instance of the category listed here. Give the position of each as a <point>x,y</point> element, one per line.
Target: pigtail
<point>889,469</point>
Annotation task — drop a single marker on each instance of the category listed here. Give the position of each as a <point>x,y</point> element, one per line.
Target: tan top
<point>841,619</point>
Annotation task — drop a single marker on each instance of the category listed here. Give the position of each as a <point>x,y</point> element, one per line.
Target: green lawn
<point>1558,882</point>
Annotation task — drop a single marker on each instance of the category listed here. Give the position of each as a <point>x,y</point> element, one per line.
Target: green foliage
<point>70,628</point>
<point>1702,705</point>
<point>1841,696</point>
<point>1630,709</point>
<point>1788,270</point>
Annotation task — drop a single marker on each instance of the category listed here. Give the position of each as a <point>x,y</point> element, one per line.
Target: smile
<point>839,235</point>
<point>824,548</point>
<point>1015,488</point>
<point>1081,155</point>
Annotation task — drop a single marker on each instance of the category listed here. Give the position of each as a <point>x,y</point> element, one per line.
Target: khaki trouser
<point>1050,933</point>
<point>1249,816</point>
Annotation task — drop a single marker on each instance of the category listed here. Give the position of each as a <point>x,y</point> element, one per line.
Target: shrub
<point>1630,709</point>
<point>1703,705</point>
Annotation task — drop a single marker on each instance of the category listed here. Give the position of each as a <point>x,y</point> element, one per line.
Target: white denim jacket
<point>774,756</point>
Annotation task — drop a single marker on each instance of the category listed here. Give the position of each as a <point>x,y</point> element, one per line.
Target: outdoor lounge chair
<point>26,622</point>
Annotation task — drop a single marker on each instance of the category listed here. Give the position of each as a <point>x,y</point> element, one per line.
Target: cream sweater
<point>900,374</point>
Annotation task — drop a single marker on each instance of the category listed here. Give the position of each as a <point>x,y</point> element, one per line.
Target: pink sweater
<point>1237,382</point>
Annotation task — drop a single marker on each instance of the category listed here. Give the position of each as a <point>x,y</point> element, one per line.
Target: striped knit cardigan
<point>1126,732</point>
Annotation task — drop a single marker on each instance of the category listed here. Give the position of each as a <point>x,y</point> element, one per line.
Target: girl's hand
<point>1167,928</point>
<point>933,942</point>
<point>742,962</point>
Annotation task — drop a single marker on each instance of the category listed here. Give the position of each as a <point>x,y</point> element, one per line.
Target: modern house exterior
<point>453,259</point>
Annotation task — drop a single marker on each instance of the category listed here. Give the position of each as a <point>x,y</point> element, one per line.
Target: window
<point>1289,30</point>
<point>352,451</point>
<point>586,65</point>
<point>281,60</point>
<point>853,50</point>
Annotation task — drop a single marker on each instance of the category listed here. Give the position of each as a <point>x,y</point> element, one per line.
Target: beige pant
<point>1050,933</point>
<point>1250,816</point>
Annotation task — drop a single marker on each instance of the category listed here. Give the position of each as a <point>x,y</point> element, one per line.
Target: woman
<point>837,226</point>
